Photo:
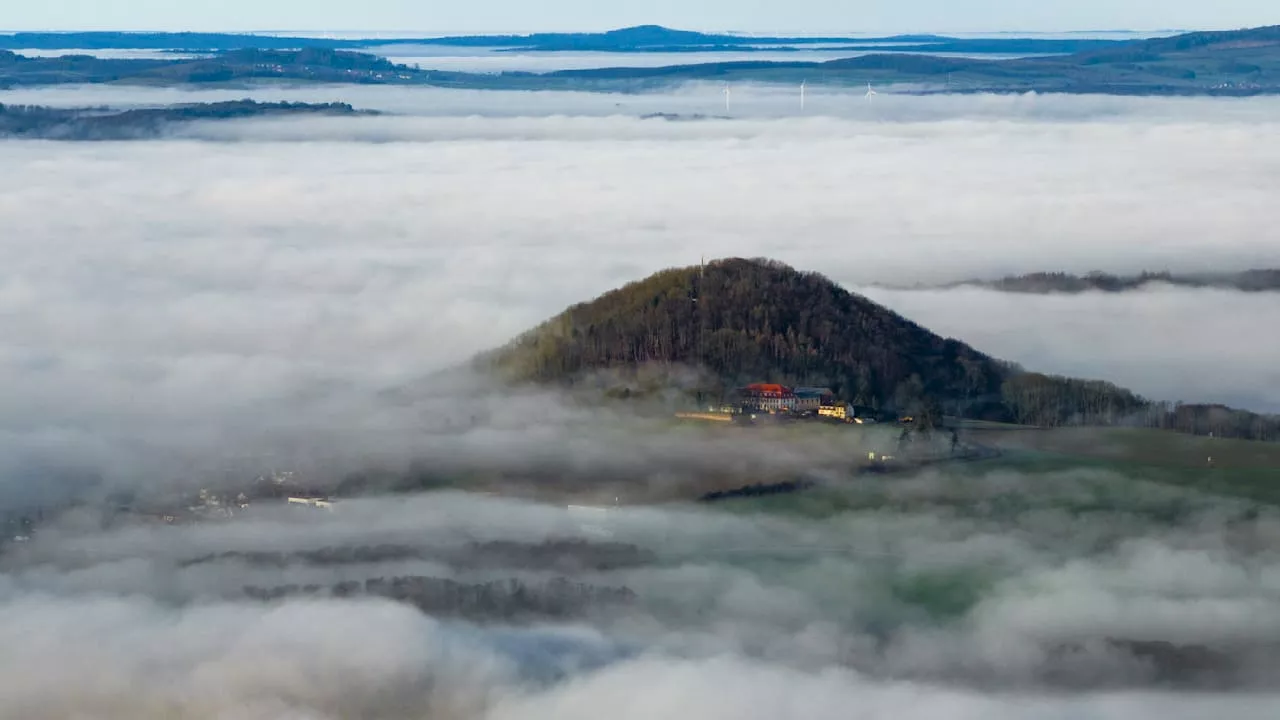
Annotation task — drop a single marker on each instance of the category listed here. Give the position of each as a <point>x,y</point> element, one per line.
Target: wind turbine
<point>803,83</point>
<point>726,98</point>
<point>870,92</point>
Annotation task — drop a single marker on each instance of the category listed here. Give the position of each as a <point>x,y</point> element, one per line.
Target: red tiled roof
<point>769,389</point>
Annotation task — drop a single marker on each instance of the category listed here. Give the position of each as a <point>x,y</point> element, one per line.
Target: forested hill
<point>758,320</point>
<point>1045,283</point>
<point>744,321</point>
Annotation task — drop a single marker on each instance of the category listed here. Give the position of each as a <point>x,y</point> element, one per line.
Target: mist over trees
<point>1260,280</point>
<point>46,123</point>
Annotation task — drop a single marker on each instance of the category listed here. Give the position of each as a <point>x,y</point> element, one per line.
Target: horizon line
<point>745,34</point>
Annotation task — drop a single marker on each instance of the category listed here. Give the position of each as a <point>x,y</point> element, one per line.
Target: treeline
<point>21,70</point>
<point>1050,401</point>
<point>751,491</point>
<point>1261,280</point>
<point>45,123</point>
<point>310,64</point>
<point>1216,420</point>
<point>499,600</point>
<point>1053,401</point>
<point>563,554</point>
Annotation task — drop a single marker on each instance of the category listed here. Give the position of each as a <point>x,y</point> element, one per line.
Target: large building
<point>774,398</point>
<point>315,502</point>
<point>836,412</point>
<point>810,399</point>
<point>767,397</point>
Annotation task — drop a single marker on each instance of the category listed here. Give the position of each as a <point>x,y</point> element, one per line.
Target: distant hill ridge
<point>627,39</point>
<point>1261,280</point>
<point>742,321</point>
<point>1235,63</point>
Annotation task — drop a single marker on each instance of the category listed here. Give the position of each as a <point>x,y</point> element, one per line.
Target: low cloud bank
<point>749,101</point>
<point>172,300</point>
<point>910,597</point>
<point>185,313</point>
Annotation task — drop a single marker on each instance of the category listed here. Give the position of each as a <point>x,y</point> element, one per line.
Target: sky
<point>743,15</point>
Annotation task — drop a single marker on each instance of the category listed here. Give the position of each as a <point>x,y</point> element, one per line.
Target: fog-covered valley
<point>241,298</point>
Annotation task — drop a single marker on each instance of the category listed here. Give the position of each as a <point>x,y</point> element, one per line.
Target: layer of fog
<point>748,101</point>
<point>486,60</point>
<point>199,301</point>
<point>480,60</point>
<point>108,53</point>
<point>969,582</point>
<point>209,309</point>
<point>118,660</point>
<point>1163,342</point>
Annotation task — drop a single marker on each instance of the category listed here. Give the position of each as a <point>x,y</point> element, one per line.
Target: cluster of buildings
<point>280,487</point>
<point>776,399</point>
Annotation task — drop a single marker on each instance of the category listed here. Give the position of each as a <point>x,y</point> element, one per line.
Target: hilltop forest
<point>744,321</point>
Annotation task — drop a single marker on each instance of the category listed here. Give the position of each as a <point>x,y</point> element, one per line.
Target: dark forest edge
<point>34,122</point>
<point>1044,283</point>
<point>738,321</point>
<point>1234,63</point>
